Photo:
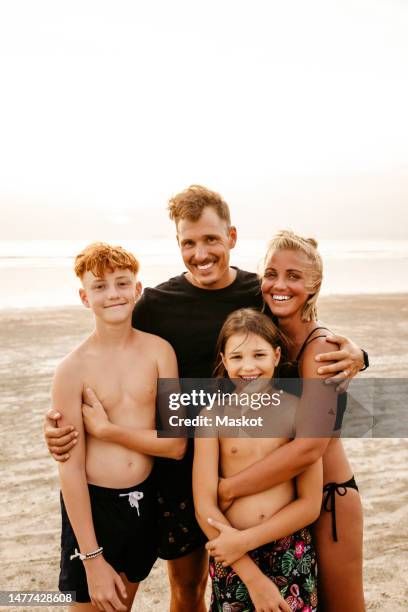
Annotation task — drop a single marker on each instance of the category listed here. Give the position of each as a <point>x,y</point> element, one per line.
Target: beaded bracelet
<point>85,556</point>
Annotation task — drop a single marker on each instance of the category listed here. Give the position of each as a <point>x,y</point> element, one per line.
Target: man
<point>188,311</point>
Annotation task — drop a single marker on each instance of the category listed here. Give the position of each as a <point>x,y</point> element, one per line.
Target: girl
<point>249,351</point>
<point>291,282</point>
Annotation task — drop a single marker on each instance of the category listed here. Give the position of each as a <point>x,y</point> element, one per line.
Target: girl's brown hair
<point>247,321</point>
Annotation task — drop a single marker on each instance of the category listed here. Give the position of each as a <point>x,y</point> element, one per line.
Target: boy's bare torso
<point>124,380</point>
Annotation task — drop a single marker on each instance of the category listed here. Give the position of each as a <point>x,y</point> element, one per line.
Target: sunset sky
<point>295,111</point>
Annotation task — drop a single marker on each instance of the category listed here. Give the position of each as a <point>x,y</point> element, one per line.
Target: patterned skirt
<point>289,562</point>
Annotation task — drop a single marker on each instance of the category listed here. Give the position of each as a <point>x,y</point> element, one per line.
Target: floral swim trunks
<point>290,563</point>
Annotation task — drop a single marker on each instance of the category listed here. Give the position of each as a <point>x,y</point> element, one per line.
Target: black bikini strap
<point>329,499</point>
<point>329,502</point>
<point>306,341</point>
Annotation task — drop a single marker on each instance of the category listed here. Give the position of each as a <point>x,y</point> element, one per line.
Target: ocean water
<point>37,273</point>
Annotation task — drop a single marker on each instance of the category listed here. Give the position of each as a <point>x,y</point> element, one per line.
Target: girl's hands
<point>229,546</point>
<point>266,596</point>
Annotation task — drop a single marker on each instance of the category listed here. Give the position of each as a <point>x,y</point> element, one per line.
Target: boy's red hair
<point>99,257</point>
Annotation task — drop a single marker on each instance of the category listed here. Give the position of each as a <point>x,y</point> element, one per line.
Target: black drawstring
<point>329,497</point>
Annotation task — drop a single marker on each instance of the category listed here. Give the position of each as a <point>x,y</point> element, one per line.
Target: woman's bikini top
<point>290,380</point>
<point>291,372</point>
<point>307,341</point>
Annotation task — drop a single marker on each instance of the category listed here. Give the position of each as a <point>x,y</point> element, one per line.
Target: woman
<point>291,281</point>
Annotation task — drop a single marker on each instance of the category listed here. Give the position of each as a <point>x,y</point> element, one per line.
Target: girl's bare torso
<point>235,455</point>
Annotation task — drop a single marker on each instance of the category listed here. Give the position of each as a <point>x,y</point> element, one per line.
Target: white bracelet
<point>85,556</point>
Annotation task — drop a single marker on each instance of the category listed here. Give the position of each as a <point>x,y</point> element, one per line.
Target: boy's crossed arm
<point>97,423</point>
<point>141,440</point>
<point>103,582</point>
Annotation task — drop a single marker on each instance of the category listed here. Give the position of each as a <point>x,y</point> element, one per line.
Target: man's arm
<point>103,581</point>
<point>347,362</point>
<point>59,440</point>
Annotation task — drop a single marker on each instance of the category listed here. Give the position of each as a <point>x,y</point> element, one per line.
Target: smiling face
<point>205,245</point>
<point>248,356</point>
<point>112,296</point>
<point>286,285</point>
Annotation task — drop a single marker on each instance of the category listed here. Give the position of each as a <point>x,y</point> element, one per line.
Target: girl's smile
<point>248,356</point>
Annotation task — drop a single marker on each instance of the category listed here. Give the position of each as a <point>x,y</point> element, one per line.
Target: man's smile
<point>206,266</point>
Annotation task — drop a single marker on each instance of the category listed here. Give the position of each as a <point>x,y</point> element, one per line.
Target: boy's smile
<point>114,293</point>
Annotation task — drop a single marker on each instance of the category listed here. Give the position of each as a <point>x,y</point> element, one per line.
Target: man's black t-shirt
<point>190,319</point>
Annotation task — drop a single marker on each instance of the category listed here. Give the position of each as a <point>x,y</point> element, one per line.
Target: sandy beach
<point>34,341</point>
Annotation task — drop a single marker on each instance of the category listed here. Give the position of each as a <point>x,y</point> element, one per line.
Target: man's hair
<point>99,257</point>
<point>190,203</point>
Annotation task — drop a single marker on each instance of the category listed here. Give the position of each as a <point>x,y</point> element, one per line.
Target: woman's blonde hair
<point>288,240</point>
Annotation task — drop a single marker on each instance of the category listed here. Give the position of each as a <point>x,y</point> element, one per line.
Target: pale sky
<point>295,111</point>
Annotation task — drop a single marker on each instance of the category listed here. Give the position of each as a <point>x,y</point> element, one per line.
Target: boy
<point>108,496</point>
